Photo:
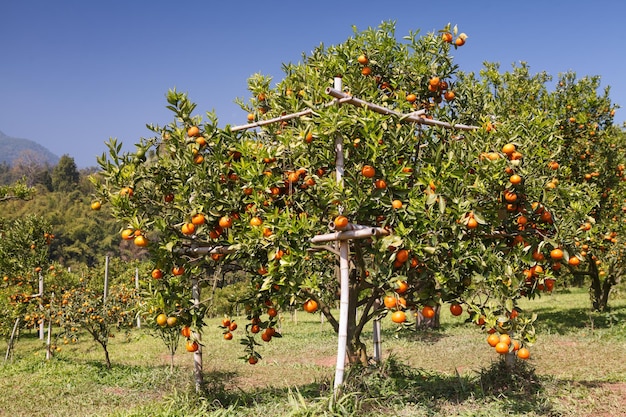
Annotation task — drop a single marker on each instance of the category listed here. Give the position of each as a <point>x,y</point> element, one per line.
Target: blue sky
<point>75,73</point>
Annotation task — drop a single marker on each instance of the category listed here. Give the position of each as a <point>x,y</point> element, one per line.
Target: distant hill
<point>12,149</point>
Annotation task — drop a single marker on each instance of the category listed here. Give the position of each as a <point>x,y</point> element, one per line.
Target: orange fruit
<point>141,241</point>
<point>186,332</point>
<point>447,37</point>
<point>398,317</point>
<point>96,205</point>
<point>380,184</point>
<point>493,339</point>
<point>272,312</point>
<point>188,228</point>
<point>128,234</point>
<point>225,222</point>
<point>508,149</point>
<point>228,336</point>
<point>341,222</point>
<point>390,301</point>
<point>368,171</point>
<point>505,338</point>
<point>502,348</point>
<point>402,255</point>
<point>411,98</point>
<point>363,60</point>
<point>456,309</point>
<point>310,306</point>
<point>449,95</point>
<point>472,223</point>
<point>459,41</point>
<point>250,117</point>
<point>366,71</point>
<point>198,219</point>
<point>515,179</point>
<point>161,320</point>
<point>523,353</point>
<point>172,321</point>
<point>402,287</point>
<point>193,131</point>
<point>556,254</point>
<point>191,346</point>
<point>126,192</point>
<point>574,261</point>
<point>434,82</point>
<point>252,360</point>
<point>428,312</point>
<point>256,221</point>
<point>178,270</point>
<point>157,274</point>
<point>397,204</point>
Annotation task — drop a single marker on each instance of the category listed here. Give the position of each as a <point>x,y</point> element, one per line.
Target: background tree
<point>65,175</point>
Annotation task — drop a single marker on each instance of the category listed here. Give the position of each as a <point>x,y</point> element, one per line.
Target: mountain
<point>13,149</point>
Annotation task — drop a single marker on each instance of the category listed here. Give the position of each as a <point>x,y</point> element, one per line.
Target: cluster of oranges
<point>503,344</point>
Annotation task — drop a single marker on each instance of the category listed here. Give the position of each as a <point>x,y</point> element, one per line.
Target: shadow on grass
<point>376,389</point>
<point>565,320</point>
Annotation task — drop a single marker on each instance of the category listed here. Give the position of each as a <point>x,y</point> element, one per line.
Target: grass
<point>576,369</point>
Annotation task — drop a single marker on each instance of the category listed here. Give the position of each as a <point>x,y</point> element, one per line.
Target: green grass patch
<point>576,369</point>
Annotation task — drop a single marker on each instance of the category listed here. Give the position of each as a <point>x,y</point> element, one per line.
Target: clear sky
<point>75,73</point>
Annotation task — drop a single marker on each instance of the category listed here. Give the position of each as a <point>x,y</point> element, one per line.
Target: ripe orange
<point>523,353</point>
<point>186,332</point>
<point>228,336</point>
<point>556,254</point>
<point>266,336</point>
<point>193,131</point>
<point>402,287</point>
<point>178,270</point>
<point>508,149</point>
<point>493,339</point>
<point>459,41</point>
<point>398,317</point>
<point>126,192</point>
<point>449,95</point>
<point>447,37</point>
<point>472,223</point>
<point>225,222</point>
<point>515,179</point>
<point>188,229</point>
<point>141,241</point>
<point>397,204</point>
<point>310,306</point>
<point>402,255</point>
<point>252,360</point>
<point>172,321</point>
<point>428,312</point>
<point>128,234</point>
<point>368,171</point>
<point>161,319</point>
<point>505,338</point>
<point>157,274</point>
<point>574,261</point>
<point>256,221</point>
<point>198,159</point>
<point>96,205</point>
<point>456,309</point>
<point>380,184</point>
<point>198,219</point>
<point>390,301</point>
<point>366,71</point>
<point>192,346</point>
<point>272,312</point>
<point>250,117</point>
<point>411,98</point>
<point>363,60</point>
<point>434,82</point>
<point>502,348</point>
<point>341,222</point>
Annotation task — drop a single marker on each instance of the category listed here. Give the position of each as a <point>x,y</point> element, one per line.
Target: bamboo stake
<point>12,339</point>
<point>197,356</point>
<point>106,280</point>
<point>41,326</point>
<point>411,117</point>
<point>137,288</point>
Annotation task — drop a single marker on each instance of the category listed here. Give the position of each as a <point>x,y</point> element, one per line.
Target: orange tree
<point>24,248</point>
<point>594,154</point>
<point>84,307</point>
<point>447,199</point>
